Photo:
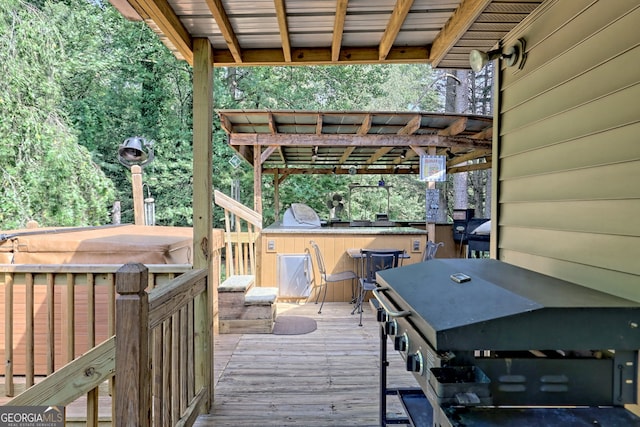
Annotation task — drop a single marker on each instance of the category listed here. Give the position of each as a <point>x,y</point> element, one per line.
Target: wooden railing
<point>162,357</point>
<point>83,376</point>
<point>240,237</point>
<point>54,313</point>
<point>164,349</point>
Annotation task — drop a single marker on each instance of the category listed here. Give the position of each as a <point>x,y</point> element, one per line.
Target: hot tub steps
<point>244,308</point>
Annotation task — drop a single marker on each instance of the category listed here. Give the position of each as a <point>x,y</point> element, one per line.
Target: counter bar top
<point>279,229</point>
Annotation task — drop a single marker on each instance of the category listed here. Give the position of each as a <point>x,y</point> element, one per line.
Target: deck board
<point>329,377</point>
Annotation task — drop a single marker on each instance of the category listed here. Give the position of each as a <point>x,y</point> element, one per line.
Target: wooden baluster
<point>29,314</point>
<point>9,389</point>
<point>133,384</point>
<point>51,326</point>
<point>69,318</point>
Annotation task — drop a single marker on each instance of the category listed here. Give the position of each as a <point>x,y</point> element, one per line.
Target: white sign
<point>433,168</point>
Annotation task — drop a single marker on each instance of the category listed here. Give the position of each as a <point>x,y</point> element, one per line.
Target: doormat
<point>293,325</point>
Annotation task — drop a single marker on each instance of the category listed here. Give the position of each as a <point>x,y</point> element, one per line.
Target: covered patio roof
<point>340,142</point>
<point>309,32</point>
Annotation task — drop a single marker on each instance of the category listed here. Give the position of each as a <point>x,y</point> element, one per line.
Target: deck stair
<point>244,308</point>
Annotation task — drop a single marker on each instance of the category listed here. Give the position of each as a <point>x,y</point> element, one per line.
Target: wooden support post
<point>133,366</point>
<point>257,179</point>
<point>203,209</point>
<point>138,203</point>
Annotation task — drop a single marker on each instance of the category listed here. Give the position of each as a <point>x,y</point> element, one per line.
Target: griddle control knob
<point>391,327</point>
<point>400,343</point>
<point>415,363</point>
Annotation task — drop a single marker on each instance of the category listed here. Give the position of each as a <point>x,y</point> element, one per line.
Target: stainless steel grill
<point>511,337</point>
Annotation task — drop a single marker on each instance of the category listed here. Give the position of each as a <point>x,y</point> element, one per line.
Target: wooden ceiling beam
<point>342,140</point>
<point>379,153</point>
<point>486,133</point>
<point>273,128</point>
<point>330,170</point>
<point>345,155</point>
<point>412,126</point>
<point>365,126</point>
<point>409,154</point>
<point>398,16</point>
<point>454,29</point>
<point>281,13</point>
<point>472,155</point>
<point>266,153</point>
<point>322,56</point>
<point>222,20</point>
<point>455,128</point>
<point>161,13</point>
<point>338,29</point>
<point>226,124</point>
<point>419,150</point>
<point>471,167</point>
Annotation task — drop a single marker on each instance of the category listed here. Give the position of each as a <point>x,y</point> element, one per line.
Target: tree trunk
<point>460,104</point>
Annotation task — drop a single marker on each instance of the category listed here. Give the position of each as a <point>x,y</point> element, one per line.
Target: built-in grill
<point>510,346</point>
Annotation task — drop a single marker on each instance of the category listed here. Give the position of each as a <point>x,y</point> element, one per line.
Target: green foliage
<point>46,176</point>
<point>78,79</point>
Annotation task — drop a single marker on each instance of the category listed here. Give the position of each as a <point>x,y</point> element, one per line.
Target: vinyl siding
<point>568,167</point>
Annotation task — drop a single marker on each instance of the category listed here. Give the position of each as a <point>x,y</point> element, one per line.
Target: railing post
<point>133,367</point>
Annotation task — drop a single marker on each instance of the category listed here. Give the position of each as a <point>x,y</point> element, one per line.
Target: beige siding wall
<point>569,146</point>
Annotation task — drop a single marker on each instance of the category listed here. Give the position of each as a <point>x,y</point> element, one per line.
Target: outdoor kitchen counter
<point>278,242</point>
<point>278,229</point>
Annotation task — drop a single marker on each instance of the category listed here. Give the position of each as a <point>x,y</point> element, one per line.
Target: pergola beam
<point>340,171</point>
<point>342,140</point>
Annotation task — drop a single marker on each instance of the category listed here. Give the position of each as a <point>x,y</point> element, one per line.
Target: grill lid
<point>504,307</point>
<point>300,215</point>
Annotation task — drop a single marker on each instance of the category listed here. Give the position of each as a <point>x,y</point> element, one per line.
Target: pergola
<point>283,143</point>
<point>355,142</point>
<point>208,33</point>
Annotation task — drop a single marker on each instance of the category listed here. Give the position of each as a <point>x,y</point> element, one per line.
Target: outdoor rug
<point>293,325</point>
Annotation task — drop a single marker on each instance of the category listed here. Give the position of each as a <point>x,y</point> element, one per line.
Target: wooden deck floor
<point>329,377</point>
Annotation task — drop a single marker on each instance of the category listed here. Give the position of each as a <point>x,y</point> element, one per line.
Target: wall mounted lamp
<point>403,154</point>
<point>513,56</point>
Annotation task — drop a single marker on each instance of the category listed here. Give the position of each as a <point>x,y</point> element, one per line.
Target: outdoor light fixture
<point>403,154</point>
<point>131,152</point>
<point>450,154</point>
<point>314,155</point>
<point>515,55</point>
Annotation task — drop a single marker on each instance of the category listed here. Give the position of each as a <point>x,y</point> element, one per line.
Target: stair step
<point>238,283</point>
<point>261,296</point>
<point>246,326</point>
